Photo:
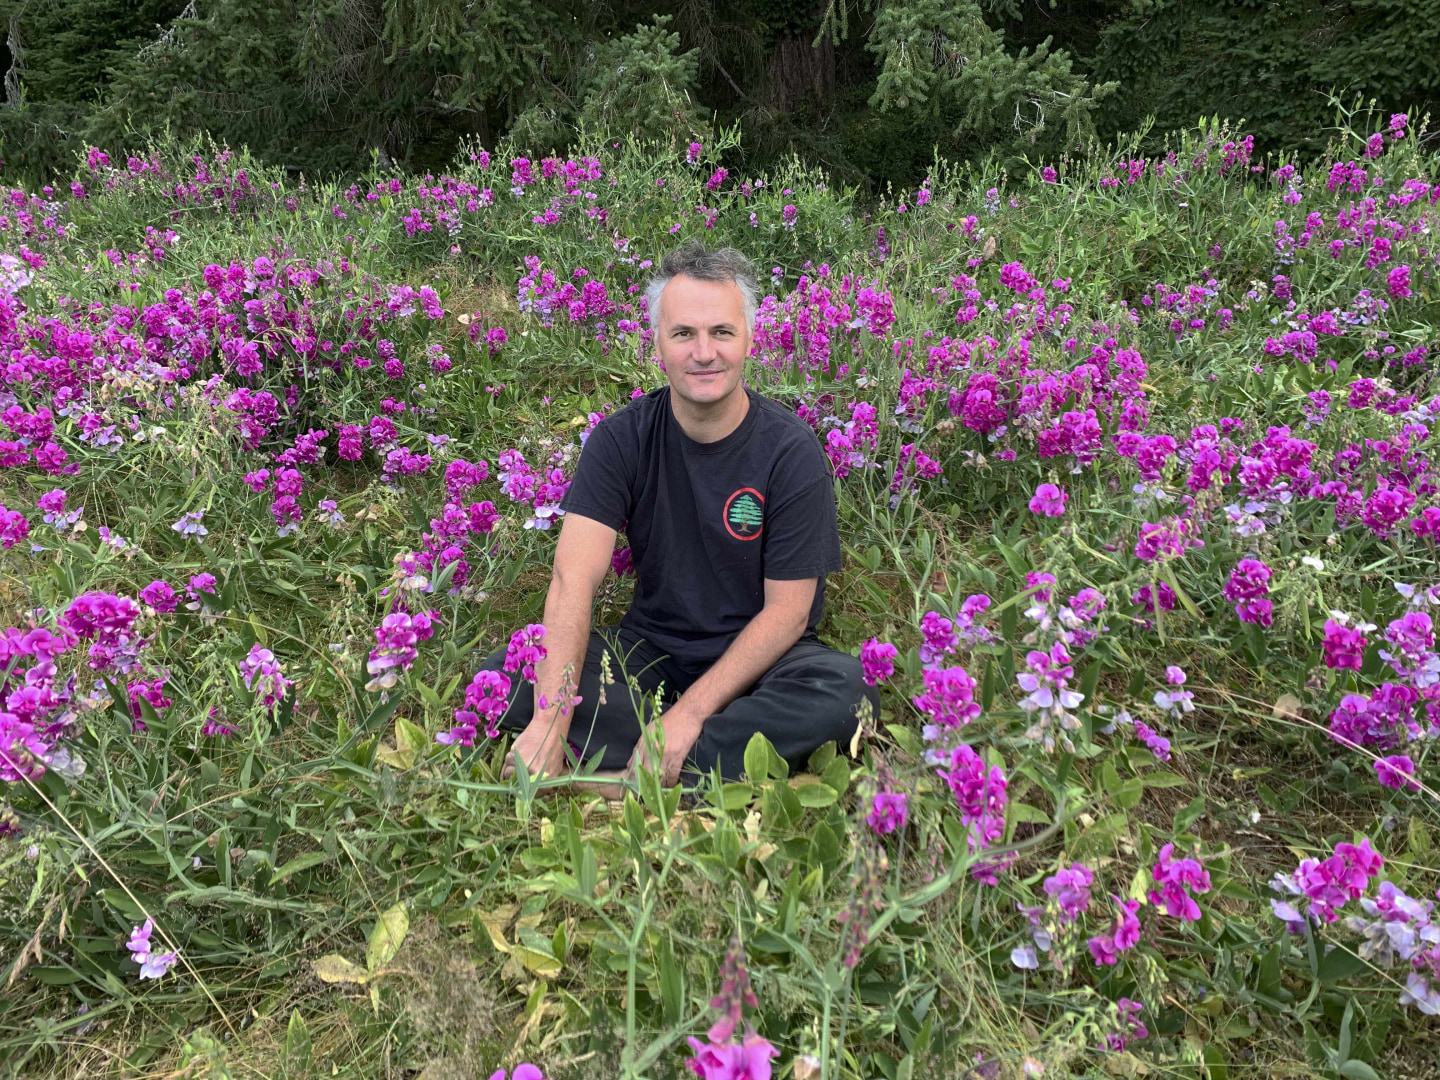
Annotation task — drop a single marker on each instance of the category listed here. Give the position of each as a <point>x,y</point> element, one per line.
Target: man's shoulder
<point>634,415</point>
<point>782,422</point>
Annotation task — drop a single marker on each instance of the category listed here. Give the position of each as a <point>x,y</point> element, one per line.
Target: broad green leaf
<point>816,794</point>
<point>300,862</point>
<point>757,759</point>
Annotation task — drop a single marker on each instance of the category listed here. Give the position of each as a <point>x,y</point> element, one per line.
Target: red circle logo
<point>744,515</point>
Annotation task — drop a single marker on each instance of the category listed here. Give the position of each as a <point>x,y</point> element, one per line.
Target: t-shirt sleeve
<point>801,537</point>
<point>602,484</point>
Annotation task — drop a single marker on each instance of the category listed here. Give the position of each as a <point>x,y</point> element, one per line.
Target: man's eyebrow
<point>724,325</point>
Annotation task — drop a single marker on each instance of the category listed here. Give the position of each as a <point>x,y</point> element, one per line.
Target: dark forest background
<point>867,89</point>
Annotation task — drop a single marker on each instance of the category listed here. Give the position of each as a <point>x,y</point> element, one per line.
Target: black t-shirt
<point>709,522</point>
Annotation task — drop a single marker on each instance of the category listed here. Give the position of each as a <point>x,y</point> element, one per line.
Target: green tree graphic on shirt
<point>746,513</point>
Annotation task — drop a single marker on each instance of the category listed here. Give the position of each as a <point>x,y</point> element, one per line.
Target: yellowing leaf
<point>541,963</point>
<point>495,923</point>
<point>336,969</point>
<point>1287,707</point>
<point>386,938</point>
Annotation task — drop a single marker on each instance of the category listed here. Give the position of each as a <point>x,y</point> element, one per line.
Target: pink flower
<point>877,661</point>
<point>522,1072</point>
<point>1048,501</point>
<point>888,812</point>
<point>1396,772</point>
<point>1124,933</point>
<point>1344,646</point>
<point>749,1060</point>
<point>1172,877</point>
<point>525,651</point>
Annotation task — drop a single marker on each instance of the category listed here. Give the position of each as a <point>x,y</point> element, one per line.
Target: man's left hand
<point>680,732</point>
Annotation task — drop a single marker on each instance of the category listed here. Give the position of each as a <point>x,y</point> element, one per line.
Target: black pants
<point>809,697</point>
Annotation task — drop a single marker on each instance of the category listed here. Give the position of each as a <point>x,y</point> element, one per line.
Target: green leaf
<point>1355,1069</point>
<point>816,794</point>
<point>757,759</point>
<point>672,983</point>
<point>300,862</point>
<point>1162,779</point>
<point>1130,793</point>
<point>298,1052</point>
<point>837,775</point>
<point>1339,963</point>
<point>387,937</point>
<point>1110,778</point>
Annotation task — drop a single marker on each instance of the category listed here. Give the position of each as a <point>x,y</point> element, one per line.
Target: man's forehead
<point>686,299</point>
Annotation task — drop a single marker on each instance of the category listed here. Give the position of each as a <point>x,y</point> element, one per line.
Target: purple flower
<point>152,964</point>
<point>939,638</point>
<point>262,674</point>
<point>1172,877</point>
<point>1344,646</point>
<point>1124,933</point>
<point>1048,501</point>
<point>888,811</point>
<point>748,1060</point>
<point>980,794</point>
<point>877,661</point>
<point>949,697</point>
<point>1329,883</point>
<point>1128,1026</point>
<point>522,1072</point>
<point>160,596</point>
<point>486,699</point>
<point>1396,772</point>
<point>1070,889</point>
<point>525,651</point>
<point>1167,539</point>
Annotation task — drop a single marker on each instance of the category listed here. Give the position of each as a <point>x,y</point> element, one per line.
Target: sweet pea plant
<point>1137,474</point>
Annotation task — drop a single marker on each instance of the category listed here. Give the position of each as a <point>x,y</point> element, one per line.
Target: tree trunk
<point>797,70</point>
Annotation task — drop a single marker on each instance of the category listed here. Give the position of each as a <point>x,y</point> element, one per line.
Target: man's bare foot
<point>605,783</point>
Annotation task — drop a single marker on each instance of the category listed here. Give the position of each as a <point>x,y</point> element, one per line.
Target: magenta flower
<point>980,794</point>
<point>1048,501</point>
<point>1172,877</point>
<point>1124,933</point>
<point>522,1072</point>
<point>939,638</point>
<point>888,811</point>
<point>1328,884</point>
<point>748,1060</point>
<point>1129,1027</point>
<point>1397,283</point>
<point>1396,772</point>
<point>525,651</point>
<point>1070,889</point>
<point>1248,587</point>
<point>949,697</point>
<point>1344,646</point>
<point>486,699</point>
<point>160,596</point>
<point>1167,539</point>
<point>877,661</point>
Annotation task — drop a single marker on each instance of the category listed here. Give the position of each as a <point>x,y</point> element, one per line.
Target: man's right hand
<point>541,746</point>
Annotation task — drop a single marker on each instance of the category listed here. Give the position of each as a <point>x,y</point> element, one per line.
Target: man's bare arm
<point>582,556</point>
<point>765,639</point>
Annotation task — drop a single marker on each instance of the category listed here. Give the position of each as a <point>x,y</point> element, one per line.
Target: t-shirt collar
<point>719,446</point>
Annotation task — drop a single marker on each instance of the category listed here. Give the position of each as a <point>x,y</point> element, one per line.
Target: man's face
<point>703,338</point>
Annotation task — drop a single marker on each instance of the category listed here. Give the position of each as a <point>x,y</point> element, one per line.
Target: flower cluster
<point>153,964</point>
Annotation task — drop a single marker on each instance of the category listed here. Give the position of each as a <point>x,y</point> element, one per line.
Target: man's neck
<point>710,423</point>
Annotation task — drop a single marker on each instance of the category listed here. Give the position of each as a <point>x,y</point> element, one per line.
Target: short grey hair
<point>695,260</point>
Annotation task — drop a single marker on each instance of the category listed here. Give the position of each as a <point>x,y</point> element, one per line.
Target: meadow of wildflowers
<point>1140,494</point>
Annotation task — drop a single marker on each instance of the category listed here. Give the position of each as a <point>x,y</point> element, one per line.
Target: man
<point>727,502</point>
